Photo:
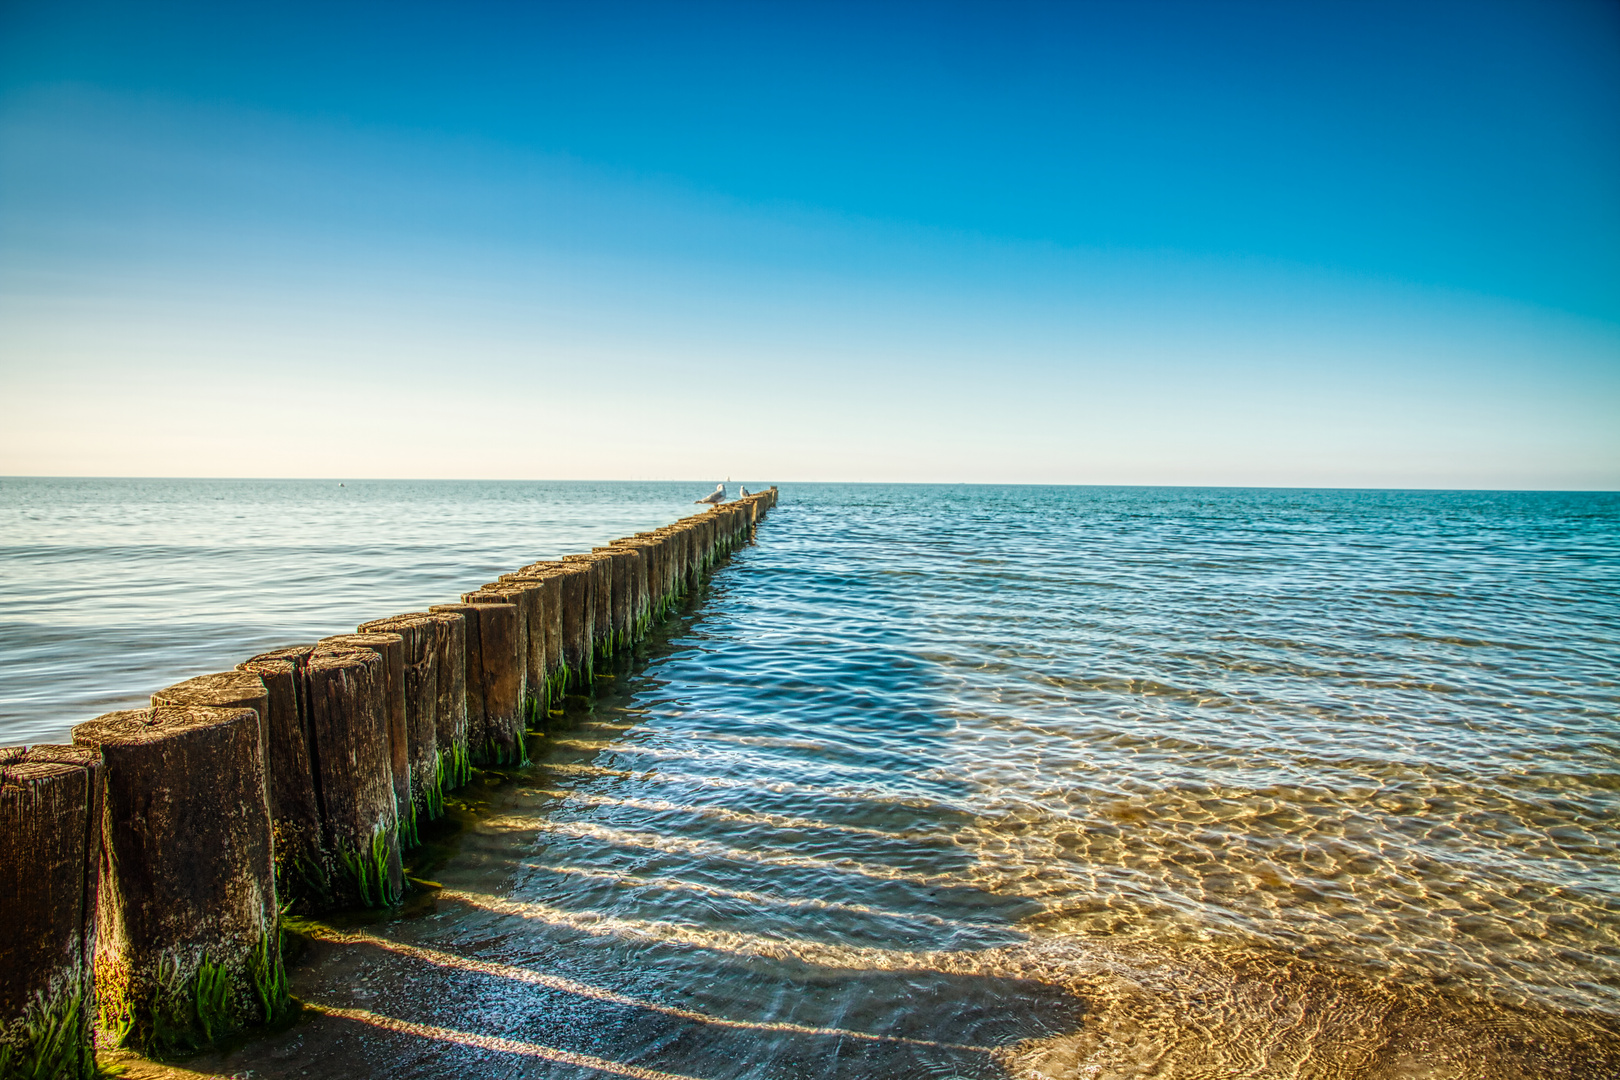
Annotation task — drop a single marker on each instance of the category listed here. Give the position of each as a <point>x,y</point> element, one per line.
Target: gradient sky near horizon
<point>1324,244</point>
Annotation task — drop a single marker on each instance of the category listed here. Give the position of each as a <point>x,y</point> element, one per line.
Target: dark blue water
<point>963,781</point>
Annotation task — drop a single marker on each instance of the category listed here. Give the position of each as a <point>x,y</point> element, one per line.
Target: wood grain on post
<point>545,627</point>
<point>675,542</point>
<point>530,643</point>
<point>495,733</point>
<point>644,583</point>
<point>576,586</point>
<point>601,571</point>
<point>421,659</point>
<point>500,639</point>
<point>450,707</point>
<point>692,575</point>
<point>303,866</point>
<point>349,721</point>
<point>550,589</point>
<point>656,548</point>
<point>619,572</point>
<point>188,939</point>
<point>50,842</point>
<point>391,647</point>
<point>450,647</point>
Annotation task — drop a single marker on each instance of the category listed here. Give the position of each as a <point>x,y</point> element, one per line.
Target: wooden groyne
<point>145,868</point>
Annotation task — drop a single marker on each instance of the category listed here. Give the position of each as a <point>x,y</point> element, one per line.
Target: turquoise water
<point>955,781</point>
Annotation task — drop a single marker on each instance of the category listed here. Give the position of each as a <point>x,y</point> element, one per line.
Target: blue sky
<point>1336,244</point>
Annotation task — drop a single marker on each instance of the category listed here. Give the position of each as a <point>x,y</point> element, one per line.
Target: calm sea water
<point>952,781</point>
<point>111,589</point>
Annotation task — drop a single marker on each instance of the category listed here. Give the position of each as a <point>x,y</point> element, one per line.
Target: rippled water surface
<point>1066,782</point>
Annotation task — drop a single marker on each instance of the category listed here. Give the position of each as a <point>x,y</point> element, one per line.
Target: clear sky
<point>1149,242</point>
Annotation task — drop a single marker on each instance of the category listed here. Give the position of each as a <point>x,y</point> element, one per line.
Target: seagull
<point>714,498</point>
<point>742,493</point>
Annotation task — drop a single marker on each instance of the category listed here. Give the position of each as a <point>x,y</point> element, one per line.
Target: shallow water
<point>1051,782</point>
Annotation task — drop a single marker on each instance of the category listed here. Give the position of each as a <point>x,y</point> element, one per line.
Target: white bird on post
<point>714,498</point>
<point>742,493</point>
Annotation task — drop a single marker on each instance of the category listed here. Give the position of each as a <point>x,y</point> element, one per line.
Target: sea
<point>947,781</point>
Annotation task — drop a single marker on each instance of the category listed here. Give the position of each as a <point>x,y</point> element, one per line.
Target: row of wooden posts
<point>144,869</point>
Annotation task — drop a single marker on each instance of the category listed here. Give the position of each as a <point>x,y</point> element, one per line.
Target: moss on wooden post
<point>450,648</point>
<point>188,939</point>
<point>349,723</point>
<point>654,550</point>
<point>502,659</point>
<point>50,841</point>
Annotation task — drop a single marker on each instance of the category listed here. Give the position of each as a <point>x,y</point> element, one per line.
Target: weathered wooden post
<point>391,647</point>
<point>419,646</point>
<point>680,551</point>
<point>698,566</point>
<point>576,584</point>
<point>303,866</point>
<point>530,642</point>
<point>655,548</point>
<point>543,590</point>
<point>495,732</point>
<point>550,588</point>
<point>188,938</point>
<point>450,710</point>
<point>50,843</point>
<point>348,712</point>
<point>601,601</point>
<point>619,573</point>
<point>643,584</point>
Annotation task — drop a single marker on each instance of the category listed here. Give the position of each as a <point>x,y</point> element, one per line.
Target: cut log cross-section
<point>187,936</point>
<point>228,690</point>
